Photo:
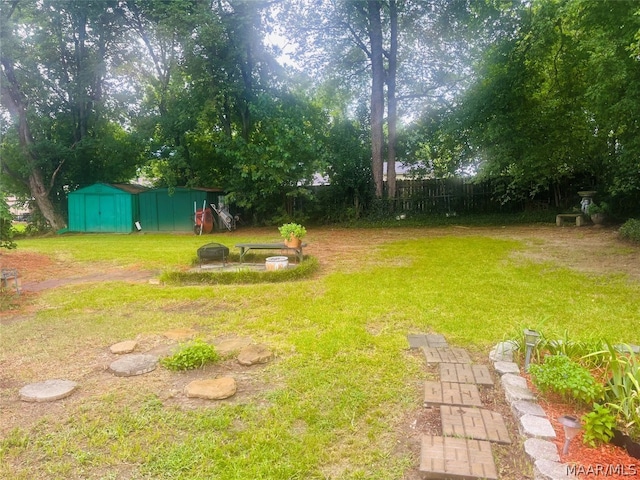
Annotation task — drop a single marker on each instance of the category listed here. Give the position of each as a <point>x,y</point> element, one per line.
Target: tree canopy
<point>198,93</point>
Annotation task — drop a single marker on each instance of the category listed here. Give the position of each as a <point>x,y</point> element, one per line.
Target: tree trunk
<point>392,102</point>
<point>15,101</point>
<point>377,95</point>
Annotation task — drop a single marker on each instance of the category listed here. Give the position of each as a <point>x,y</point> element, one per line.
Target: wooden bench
<point>245,247</point>
<point>7,274</point>
<point>578,218</point>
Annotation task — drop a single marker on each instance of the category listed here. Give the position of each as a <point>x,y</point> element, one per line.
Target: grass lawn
<point>334,402</point>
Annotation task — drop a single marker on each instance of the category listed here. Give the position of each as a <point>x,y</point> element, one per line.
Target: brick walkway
<point>464,450</point>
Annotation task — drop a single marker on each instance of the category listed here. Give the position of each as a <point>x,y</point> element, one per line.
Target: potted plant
<point>597,212</point>
<point>292,234</point>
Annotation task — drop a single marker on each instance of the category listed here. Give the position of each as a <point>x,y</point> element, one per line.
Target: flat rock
<point>514,393</point>
<point>127,346</point>
<point>254,354</point>
<point>539,449</point>
<point>47,391</point>
<point>503,367</point>
<point>538,427</point>
<point>523,407</point>
<point>134,364</point>
<point>509,379</point>
<point>211,389</point>
<point>179,334</point>
<point>229,346</point>
<point>503,351</point>
<point>548,470</point>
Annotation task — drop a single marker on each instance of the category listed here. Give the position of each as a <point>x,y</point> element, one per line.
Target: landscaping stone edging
<point>532,421</point>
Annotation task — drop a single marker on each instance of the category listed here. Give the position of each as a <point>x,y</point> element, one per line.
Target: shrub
<point>630,230</point>
<point>191,356</point>
<point>598,425</point>
<point>560,375</point>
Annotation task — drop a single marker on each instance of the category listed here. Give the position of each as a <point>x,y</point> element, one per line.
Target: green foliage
<point>560,375</point>
<point>630,230</point>
<point>290,231</point>
<point>623,389</point>
<point>6,231</point>
<point>594,208</point>
<point>190,356</point>
<point>598,425</point>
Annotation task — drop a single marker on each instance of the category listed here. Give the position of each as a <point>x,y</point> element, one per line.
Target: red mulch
<point>605,461</point>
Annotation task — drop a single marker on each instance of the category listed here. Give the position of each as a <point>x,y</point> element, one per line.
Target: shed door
<point>100,213</point>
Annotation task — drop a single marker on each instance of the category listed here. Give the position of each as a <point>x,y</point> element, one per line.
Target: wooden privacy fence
<point>449,195</point>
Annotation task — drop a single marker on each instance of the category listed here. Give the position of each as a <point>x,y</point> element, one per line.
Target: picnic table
<point>246,247</point>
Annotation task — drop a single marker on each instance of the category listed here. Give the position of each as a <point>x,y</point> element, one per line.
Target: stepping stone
<point>134,364</point>
<point>436,341</point>
<point>211,389</point>
<point>127,346</point>
<point>47,391</point>
<point>476,423</point>
<point>465,373</point>
<point>230,346</point>
<point>417,340</point>
<point>446,354</point>
<point>254,354</point>
<point>456,458</point>
<point>447,393</point>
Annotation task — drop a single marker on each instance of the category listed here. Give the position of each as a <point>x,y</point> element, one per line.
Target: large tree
<point>68,109</point>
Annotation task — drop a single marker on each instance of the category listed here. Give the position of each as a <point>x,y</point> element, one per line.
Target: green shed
<point>104,208</point>
<point>172,209</point>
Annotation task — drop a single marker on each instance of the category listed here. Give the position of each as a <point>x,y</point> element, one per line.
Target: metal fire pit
<point>213,251</point>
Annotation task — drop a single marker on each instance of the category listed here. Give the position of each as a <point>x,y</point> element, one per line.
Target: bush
<point>630,230</point>
<point>560,375</point>
<point>191,356</point>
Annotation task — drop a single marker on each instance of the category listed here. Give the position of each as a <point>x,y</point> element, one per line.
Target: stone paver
<point>47,391</point>
<point>436,341</point>
<point>254,354</point>
<point>476,423</point>
<point>534,426</point>
<point>211,389</point>
<point>456,458</point>
<point>465,373</point>
<point>417,340</point>
<point>120,348</point>
<point>134,364</point>
<point>507,367</point>
<point>446,354</point>
<point>448,393</point>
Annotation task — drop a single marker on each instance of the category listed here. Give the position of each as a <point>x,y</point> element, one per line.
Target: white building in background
<point>18,208</point>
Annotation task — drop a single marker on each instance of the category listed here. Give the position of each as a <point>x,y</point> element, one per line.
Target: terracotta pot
<point>293,242</point>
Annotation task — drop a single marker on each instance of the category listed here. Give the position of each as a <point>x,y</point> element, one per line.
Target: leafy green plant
<point>560,375</point>
<point>622,392</point>
<point>630,230</point>
<point>292,230</point>
<point>190,356</point>
<point>594,208</point>
<point>598,425</point>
